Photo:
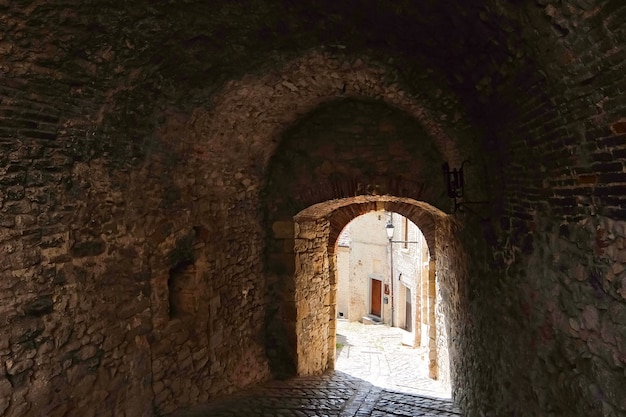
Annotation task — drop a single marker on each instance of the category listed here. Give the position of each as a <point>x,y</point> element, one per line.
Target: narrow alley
<point>377,355</point>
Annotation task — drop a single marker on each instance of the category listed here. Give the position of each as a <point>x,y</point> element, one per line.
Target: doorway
<point>376,297</point>
<point>306,318</point>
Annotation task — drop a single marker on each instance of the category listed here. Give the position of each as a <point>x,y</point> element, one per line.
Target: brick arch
<point>422,214</point>
<point>253,111</point>
<point>289,103</point>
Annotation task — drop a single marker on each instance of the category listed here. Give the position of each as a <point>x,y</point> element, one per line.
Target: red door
<point>376,297</point>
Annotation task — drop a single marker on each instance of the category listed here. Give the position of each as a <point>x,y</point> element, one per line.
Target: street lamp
<point>389,229</point>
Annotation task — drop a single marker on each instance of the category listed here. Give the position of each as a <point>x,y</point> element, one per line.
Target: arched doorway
<point>317,183</point>
<point>316,231</point>
<point>385,275</point>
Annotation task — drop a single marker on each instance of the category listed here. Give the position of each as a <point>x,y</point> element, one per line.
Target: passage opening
<point>386,305</point>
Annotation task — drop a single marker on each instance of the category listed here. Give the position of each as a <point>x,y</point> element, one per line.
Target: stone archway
<point>315,163</point>
<point>316,230</point>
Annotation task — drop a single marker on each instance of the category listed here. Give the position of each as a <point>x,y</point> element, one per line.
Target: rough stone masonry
<point>154,156</point>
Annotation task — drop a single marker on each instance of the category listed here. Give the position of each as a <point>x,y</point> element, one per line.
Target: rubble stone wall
<point>315,298</point>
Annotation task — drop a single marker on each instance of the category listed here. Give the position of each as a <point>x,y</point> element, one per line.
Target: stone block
<point>41,306</point>
<point>87,352</point>
<point>88,248</point>
<point>14,368</point>
<point>591,318</point>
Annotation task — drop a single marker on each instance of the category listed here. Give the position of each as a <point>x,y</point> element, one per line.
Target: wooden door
<point>376,297</point>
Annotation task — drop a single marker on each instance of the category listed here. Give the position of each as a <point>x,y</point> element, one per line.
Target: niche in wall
<point>180,285</point>
<point>181,279</point>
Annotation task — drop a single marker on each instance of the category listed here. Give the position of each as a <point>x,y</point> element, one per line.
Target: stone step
<point>371,320</point>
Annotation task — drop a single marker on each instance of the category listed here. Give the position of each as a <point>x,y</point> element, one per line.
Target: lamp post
<point>389,229</point>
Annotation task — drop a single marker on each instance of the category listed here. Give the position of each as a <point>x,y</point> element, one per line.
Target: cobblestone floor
<point>375,376</point>
<point>376,354</point>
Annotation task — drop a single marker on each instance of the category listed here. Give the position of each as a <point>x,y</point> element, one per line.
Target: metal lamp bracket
<point>455,186</point>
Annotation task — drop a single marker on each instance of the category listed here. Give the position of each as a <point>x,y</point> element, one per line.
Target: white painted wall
<point>368,257</point>
<point>343,287</point>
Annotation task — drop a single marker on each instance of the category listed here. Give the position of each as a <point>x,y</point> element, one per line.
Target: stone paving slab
<point>375,353</point>
<point>300,397</point>
<point>375,376</point>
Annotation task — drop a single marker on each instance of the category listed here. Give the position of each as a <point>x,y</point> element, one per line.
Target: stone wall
<point>557,288</point>
<point>439,357</point>
<point>87,303</point>
<point>75,293</point>
<point>314,298</point>
<point>452,282</point>
<point>562,309</point>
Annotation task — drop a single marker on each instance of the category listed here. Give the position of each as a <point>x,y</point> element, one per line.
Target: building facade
<point>389,281</point>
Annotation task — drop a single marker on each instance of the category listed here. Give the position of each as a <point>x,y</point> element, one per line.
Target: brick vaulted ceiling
<point>488,53</point>
<point>102,75</point>
<point>114,69</point>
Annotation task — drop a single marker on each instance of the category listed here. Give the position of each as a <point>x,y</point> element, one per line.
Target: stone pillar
<point>332,306</point>
<point>313,299</point>
<point>432,322</point>
<point>443,357</point>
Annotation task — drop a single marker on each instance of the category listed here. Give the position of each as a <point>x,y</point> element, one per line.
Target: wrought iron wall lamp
<point>455,186</point>
<point>454,180</point>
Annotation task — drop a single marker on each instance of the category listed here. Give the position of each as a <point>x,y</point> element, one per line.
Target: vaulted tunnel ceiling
<point>471,47</point>
<point>117,69</point>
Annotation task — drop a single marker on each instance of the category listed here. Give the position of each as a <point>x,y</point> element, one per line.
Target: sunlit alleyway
<point>375,376</point>
<point>376,354</point>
